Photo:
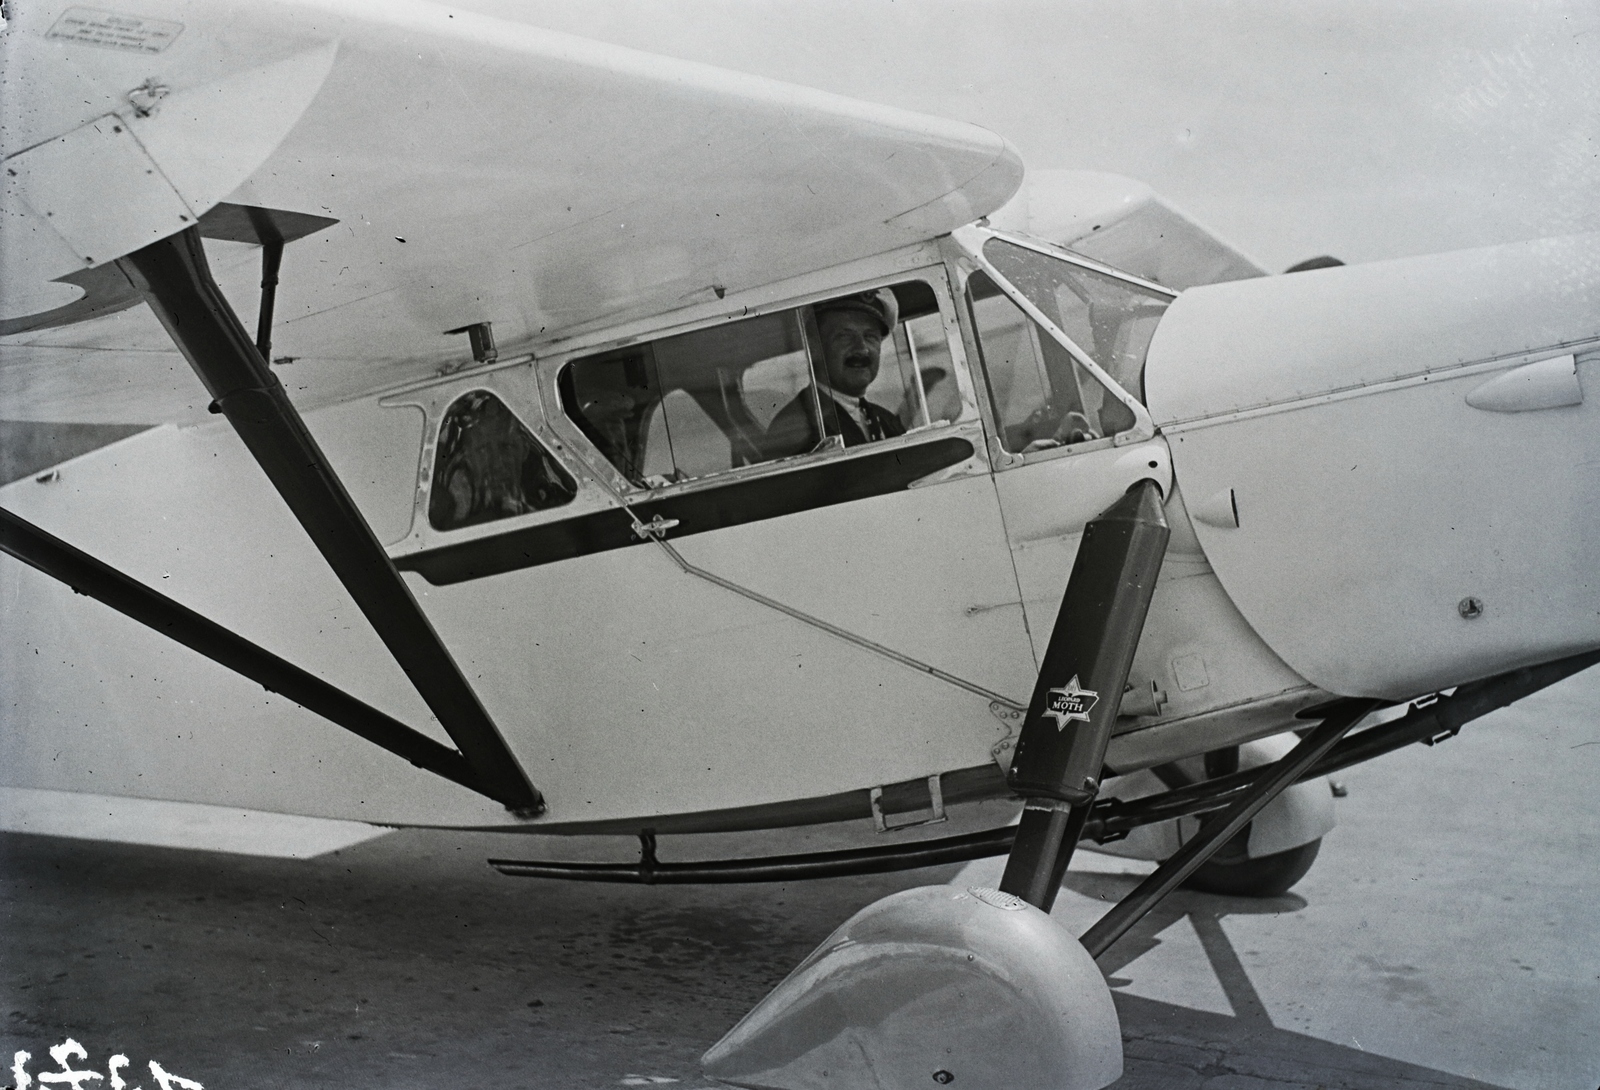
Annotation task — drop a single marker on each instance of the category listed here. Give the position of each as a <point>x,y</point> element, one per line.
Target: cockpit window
<point>856,369</point>
<point>488,466</point>
<point>1042,397</point>
<point>1110,319</point>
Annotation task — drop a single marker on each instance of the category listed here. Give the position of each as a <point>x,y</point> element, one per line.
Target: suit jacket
<point>794,429</point>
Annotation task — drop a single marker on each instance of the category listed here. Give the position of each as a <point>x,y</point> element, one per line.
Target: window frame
<point>931,271</point>
<point>965,256</point>
<point>515,384</point>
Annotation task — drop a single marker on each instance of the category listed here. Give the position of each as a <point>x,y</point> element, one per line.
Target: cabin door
<point>712,608</point>
<point>1052,337</point>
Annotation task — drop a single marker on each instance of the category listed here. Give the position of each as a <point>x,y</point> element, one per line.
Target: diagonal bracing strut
<point>1221,828</point>
<point>100,581</point>
<point>175,279</point>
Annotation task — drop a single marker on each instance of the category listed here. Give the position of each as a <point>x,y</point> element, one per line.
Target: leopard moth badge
<point>1070,701</point>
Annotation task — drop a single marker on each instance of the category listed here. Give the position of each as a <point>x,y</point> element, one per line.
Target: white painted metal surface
<point>625,685</point>
<point>1198,658</point>
<point>1216,681</point>
<point>1373,501</point>
<point>1273,341</point>
<point>636,688</point>
<point>153,163</point>
<point>1545,384</point>
<point>1219,509</point>
<point>187,512</point>
<point>1046,506</point>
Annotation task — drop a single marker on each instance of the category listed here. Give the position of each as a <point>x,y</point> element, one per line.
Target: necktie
<point>870,423</point>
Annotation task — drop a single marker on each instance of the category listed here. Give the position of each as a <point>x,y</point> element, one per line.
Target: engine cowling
<point>1393,467</point>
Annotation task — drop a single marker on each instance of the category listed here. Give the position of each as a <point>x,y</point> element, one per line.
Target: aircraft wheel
<point>1267,876</point>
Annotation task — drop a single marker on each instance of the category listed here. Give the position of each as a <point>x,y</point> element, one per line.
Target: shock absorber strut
<point>1062,745</point>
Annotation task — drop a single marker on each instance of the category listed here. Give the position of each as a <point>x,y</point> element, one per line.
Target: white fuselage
<point>837,646</point>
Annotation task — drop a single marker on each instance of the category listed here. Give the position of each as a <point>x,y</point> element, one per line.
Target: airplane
<point>502,488</point>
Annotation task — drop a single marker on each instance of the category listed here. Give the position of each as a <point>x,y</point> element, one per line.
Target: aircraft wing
<point>1123,223</point>
<point>477,170</point>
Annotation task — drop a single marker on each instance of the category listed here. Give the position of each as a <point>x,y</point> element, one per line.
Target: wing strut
<point>176,281</point>
<point>100,581</point>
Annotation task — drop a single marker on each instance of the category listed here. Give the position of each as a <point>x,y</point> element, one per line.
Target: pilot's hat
<point>881,304</point>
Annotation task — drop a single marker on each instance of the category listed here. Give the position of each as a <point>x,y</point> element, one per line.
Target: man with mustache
<point>852,330</point>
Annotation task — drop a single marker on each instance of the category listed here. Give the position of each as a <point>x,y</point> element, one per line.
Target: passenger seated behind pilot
<point>852,330</point>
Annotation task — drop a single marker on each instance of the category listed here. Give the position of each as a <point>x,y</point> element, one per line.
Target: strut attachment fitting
<point>1062,747</point>
<point>176,281</point>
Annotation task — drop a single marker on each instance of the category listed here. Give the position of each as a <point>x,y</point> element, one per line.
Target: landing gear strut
<point>1218,830</point>
<point>979,987</point>
<point>1062,748</point>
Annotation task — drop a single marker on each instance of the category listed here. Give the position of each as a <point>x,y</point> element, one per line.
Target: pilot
<point>852,330</point>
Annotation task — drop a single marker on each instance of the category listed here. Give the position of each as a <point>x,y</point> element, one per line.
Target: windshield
<point>1109,318</point>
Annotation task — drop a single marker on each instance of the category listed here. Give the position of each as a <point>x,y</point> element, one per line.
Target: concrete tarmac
<point>1448,936</point>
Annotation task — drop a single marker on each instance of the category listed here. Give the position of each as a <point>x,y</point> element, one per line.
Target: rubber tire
<point>1268,876</point>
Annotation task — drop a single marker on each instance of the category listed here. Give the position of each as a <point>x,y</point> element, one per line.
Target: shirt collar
<point>852,405</point>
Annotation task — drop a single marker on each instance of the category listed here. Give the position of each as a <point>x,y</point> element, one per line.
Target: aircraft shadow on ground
<point>1170,1047</point>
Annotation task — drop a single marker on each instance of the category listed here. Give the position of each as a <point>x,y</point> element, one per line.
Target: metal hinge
<point>655,528</point>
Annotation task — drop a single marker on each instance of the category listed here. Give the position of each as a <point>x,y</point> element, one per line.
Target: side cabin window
<point>1042,397</point>
<point>843,372</point>
<point>488,466</point>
